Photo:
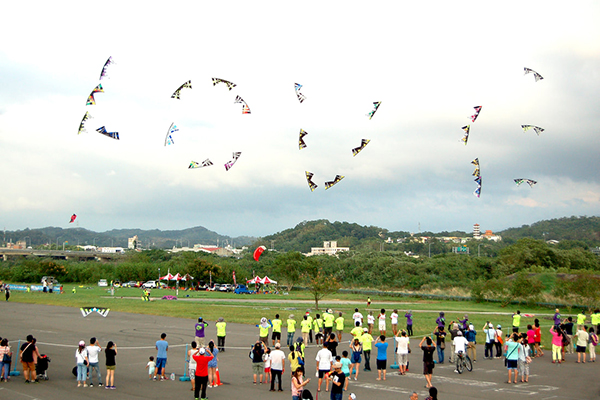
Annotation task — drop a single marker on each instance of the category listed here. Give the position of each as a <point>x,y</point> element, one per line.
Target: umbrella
<point>266,280</point>
<point>167,277</point>
<point>187,277</point>
<point>256,279</point>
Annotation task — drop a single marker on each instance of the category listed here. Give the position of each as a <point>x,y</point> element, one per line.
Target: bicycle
<point>463,361</point>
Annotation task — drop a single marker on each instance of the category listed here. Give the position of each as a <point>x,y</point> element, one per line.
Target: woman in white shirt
<point>81,356</point>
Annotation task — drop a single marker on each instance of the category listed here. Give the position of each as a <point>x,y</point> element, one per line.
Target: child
<point>151,366</point>
<point>346,367</point>
<point>382,322</point>
<point>593,339</point>
<point>267,360</point>
<point>524,358</point>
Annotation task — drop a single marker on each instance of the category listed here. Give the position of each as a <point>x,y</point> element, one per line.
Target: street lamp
<point>159,273</point>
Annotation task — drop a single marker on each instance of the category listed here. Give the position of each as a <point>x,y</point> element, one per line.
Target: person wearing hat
<point>291,329</point>
<point>202,357</point>
<point>367,344</point>
<point>337,379</point>
<point>499,341</point>
<point>276,334</point>
<point>310,320</point>
<point>490,339</point>
<point>339,326</point>
<point>305,328</point>
<point>471,336</point>
<point>328,320</point>
<point>199,332</point>
<point>81,356</point>
<point>324,360</point>
<point>460,346</point>
<point>277,366</point>
<point>221,333</point>
<point>263,330</point>
<point>318,329</point>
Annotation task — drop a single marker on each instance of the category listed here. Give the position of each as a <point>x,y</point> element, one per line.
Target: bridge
<point>8,254</point>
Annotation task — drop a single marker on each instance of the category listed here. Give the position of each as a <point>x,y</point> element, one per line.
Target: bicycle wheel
<point>468,364</point>
<point>459,365</point>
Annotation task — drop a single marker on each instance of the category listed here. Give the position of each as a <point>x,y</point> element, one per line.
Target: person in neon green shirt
<point>596,319</point>
<point>310,320</point>
<point>581,319</point>
<point>339,326</point>
<point>357,331</point>
<point>263,330</point>
<point>516,321</point>
<point>276,335</point>
<point>366,339</point>
<point>291,329</point>
<point>305,328</point>
<point>221,326</point>
<point>328,319</point>
<point>318,328</point>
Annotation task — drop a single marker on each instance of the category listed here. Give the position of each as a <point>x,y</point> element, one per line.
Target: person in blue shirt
<point>162,346</point>
<point>471,336</point>
<point>382,347</point>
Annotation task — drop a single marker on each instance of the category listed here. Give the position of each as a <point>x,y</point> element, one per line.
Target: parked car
<point>149,285</point>
<point>227,287</point>
<point>131,284</point>
<point>215,287</point>
<point>242,289</point>
<point>102,282</point>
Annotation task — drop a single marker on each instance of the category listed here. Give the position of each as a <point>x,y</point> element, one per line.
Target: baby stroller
<point>41,368</point>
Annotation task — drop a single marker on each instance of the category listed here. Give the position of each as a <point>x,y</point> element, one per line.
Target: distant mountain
<point>118,237</point>
<point>586,229</point>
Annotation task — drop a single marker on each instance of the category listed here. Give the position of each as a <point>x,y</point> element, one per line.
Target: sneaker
<point>79,384</point>
<point>456,371</point>
<point>91,385</point>
<point>106,387</point>
<point>154,378</point>
<point>86,385</point>
<point>112,387</point>
<point>26,381</point>
<point>99,385</point>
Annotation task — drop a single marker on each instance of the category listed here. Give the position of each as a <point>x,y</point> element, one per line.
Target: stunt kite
<point>334,181</point>
<point>300,96</point>
<point>230,85</point>
<point>537,76</point>
<point>176,94</point>
<point>311,184</point>
<point>114,135</point>
<point>363,144</point>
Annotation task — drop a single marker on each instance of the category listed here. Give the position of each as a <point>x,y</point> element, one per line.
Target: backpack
<point>499,339</point>
<point>594,339</point>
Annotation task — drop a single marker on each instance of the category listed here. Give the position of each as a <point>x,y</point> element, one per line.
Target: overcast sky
<point>429,63</point>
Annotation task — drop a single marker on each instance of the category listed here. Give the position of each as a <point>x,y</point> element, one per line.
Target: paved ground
<point>58,329</point>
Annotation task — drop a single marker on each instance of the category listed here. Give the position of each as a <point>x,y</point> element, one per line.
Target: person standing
<point>191,364</point>
<point>198,334</point>
<point>337,379</point>
<point>256,355</point>
<point>516,321</point>
<point>370,321</point>
<point>310,321</point>
<point>441,320</point>
<point>581,319</point>
<point>556,343</point>
<point>26,356</point>
<point>357,331</point>
<point>318,329</point>
<point>328,320</point>
<point>277,366</point>
<point>305,327</point>
<point>499,341</point>
<point>403,348</point>
<point>221,333</point>
<point>382,347</point>
<point>5,360</point>
<point>93,350</point>
<point>366,340</point>
<point>428,364</point>
<point>212,365</point>
<point>582,342</point>
<point>339,326</point>
<point>595,318</point>
<point>263,330</point>
<point>490,339</point>
<point>357,317</point>
<point>459,344</point>
<point>324,361</point>
<point>202,359</point>
<point>298,383</point>
<point>394,321</point>
<point>276,334</point>
<point>409,322</point>
<point>568,328</point>
<point>291,329</point>
<point>440,340</point>
<point>464,322</point>
<point>557,318</point>
<point>7,292</point>
<point>471,336</point>
<point>111,364</point>
<point>511,350</point>
<point>162,347</point>
<point>355,360</point>
<point>81,358</point>
<point>382,321</point>
<point>453,333</point>
<point>593,343</point>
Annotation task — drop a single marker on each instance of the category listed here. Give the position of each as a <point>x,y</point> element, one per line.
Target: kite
<point>82,124</point>
<point>230,85</point>
<point>73,218</point>
<point>301,144</point>
<point>172,129</point>
<point>537,76</point>
<point>106,64</point>
<point>465,138</point>
<point>376,105</point>
<point>530,182</point>
<point>477,191</point>
<point>85,311</point>
<point>245,108</point>
<point>205,163</point>
<point>301,97</point>
<point>229,164</point>
<point>114,135</point>
<point>311,184</point>
<point>91,101</point>
<point>334,181</point>
<point>475,162</point>
<point>477,111</point>
<point>363,144</point>
<point>478,180</point>
<point>537,129</point>
<point>177,93</point>
<point>259,250</point>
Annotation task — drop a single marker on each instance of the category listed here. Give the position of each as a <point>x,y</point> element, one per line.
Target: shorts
<point>355,357</point>
<point>581,349</point>
<point>276,336</point>
<point>258,368</point>
<point>339,332</point>
<point>428,368</point>
<point>382,325</point>
<point>268,370</point>
<point>28,366</point>
<point>511,364</point>
<point>403,359</point>
<point>192,371</point>
<point>322,373</point>
<point>381,364</point>
<point>161,363</point>
<point>111,367</point>
<point>199,341</point>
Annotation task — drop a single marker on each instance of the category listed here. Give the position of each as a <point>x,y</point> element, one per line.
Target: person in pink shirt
<point>556,344</point>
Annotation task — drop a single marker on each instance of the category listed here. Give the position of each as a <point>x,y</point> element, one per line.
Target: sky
<point>428,63</point>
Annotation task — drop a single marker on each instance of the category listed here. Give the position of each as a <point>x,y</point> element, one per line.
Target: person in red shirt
<point>202,358</point>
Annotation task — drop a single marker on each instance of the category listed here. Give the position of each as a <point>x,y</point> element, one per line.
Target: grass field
<point>248,309</point>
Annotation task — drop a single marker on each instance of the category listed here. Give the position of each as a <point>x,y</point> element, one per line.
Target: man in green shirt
<point>221,326</point>
<point>339,326</point>
<point>581,319</point>
<point>366,339</point>
<point>516,321</point>
<point>328,319</point>
<point>318,328</point>
<point>596,320</point>
<point>276,335</point>
<point>310,320</point>
<point>357,331</point>
<point>291,329</point>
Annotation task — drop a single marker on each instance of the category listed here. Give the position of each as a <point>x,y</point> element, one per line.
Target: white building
<point>329,248</point>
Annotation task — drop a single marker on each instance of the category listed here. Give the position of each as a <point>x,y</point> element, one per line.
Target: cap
<point>337,365</point>
<point>199,319</point>
<point>471,327</point>
<point>459,333</point>
<point>352,396</point>
<point>365,330</point>
<point>81,343</point>
<point>277,345</point>
<point>201,351</point>
<point>499,326</point>
<point>221,319</point>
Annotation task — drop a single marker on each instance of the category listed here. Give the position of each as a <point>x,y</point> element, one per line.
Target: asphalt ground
<point>59,329</point>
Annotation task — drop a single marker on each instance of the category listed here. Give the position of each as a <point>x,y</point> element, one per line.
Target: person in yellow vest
<point>305,328</point>
<point>328,319</point>
<point>357,331</point>
<point>516,321</point>
<point>596,319</point>
<point>221,326</point>
<point>291,329</point>
<point>310,320</point>
<point>276,335</point>
<point>318,329</point>
<point>366,340</point>
<point>581,319</point>
<point>263,330</point>
<point>339,326</point>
